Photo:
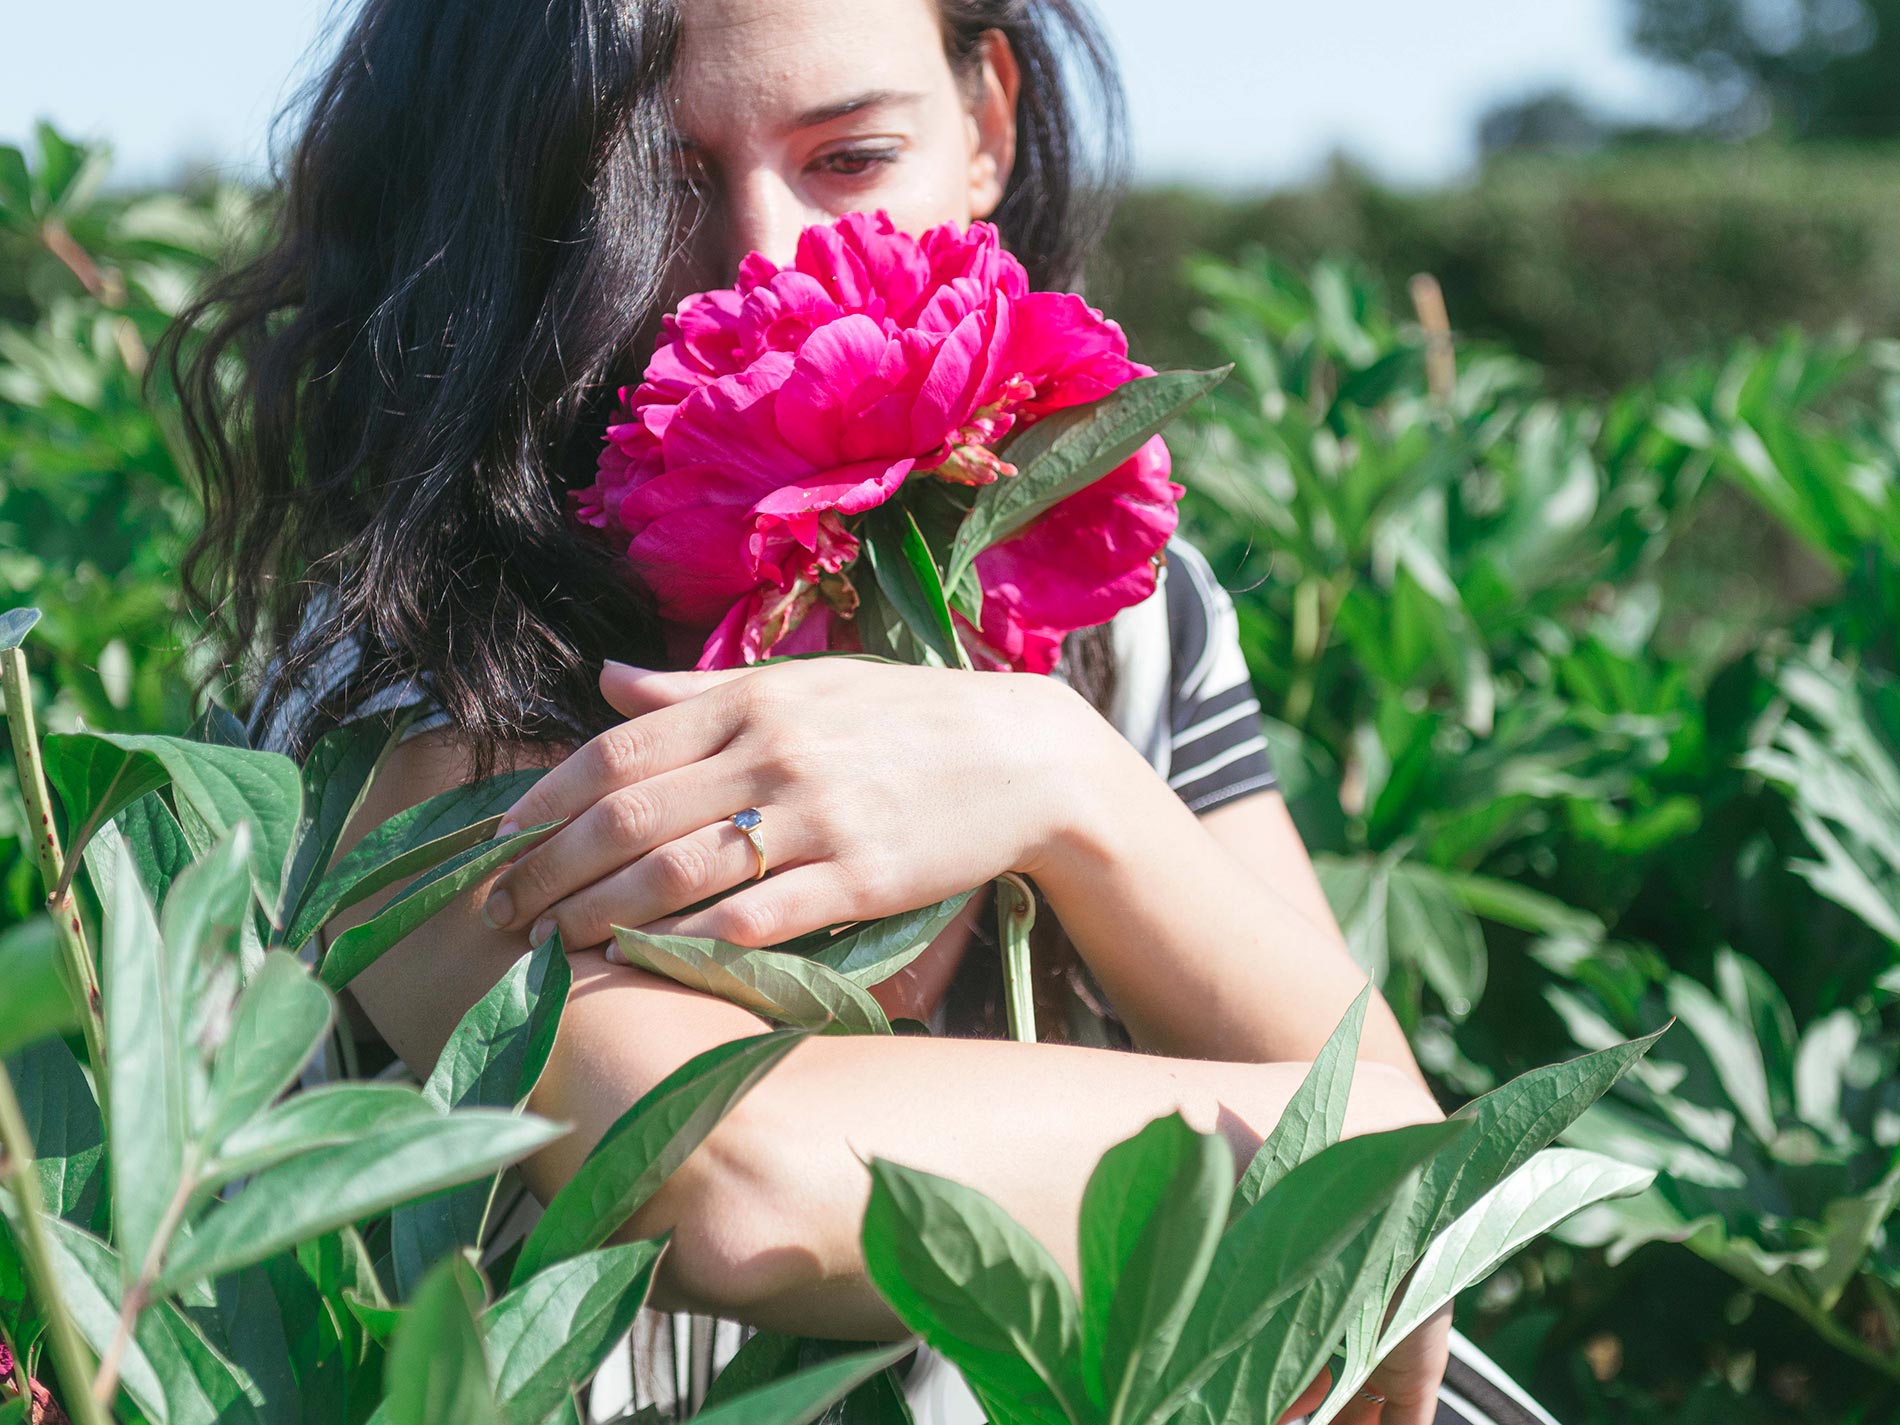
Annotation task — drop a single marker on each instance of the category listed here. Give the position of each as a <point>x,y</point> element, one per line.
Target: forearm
<point>765,1216</point>
<point>1202,955</point>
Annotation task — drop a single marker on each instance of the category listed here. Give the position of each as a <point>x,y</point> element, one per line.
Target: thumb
<point>634,690</point>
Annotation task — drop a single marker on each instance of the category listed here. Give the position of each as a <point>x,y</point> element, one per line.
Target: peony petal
<point>829,376</point>
<point>1084,561</point>
<point>1069,351</point>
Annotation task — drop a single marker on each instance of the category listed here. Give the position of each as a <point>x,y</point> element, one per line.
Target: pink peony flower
<point>775,412</point>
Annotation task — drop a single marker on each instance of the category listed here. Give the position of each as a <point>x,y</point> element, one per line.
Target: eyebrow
<point>869,99</point>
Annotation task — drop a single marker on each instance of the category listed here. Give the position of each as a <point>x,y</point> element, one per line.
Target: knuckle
<point>752,922</point>
<point>622,754</point>
<point>628,818</point>
<point>681,870</point>
<point>529,881</point>
<point>860,881</point>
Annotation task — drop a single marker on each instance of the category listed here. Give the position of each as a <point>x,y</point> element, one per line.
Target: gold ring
<point>753,825</point>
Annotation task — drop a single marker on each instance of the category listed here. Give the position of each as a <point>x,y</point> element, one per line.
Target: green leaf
<point>1514,1121</point>
<point>63,1124</point>
<point>496,1054</point>
<point>1511,1123</point>
<point>763,1357</point>
<point>157,843</point>
<point>1733,1050</point>
<point>549,1335</point>
<point>907,573</point>
<point>378,1322</point>
<point>96,780</point>
<point>1263,1378</point>
<point>802,1398</point>
<point>789,989</point>
<point>1286,1239</point>
<point>15,624</point>
<point>145,1067</point>
<point>335,777</point>
<point>870,952</point>
<point>409,843</point>
<point>437,1373</point>
<point>1068,450</point>
<point>200,924</point>
<point>170,1371</point>
<point>359,947</point>
<point>644,1147</point>
<point>1437,934</point>
<point>1551,1186</point>
<point>322,1117</point>
<point>281,1019</point>
<point>36,1002</point>
<point>1315,1115</point>
<point>1152,1214</point>
<point>977,1287</point>
<point>492,1060</point>
<point>323,1189</point>
<point>219,786</point>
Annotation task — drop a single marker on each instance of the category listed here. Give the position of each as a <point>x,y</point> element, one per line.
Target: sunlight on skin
<point>758,92</point>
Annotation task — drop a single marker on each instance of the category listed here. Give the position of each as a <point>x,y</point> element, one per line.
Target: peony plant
<point>854,435</point>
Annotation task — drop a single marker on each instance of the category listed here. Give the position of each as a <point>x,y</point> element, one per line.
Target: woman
<point>487,210</point>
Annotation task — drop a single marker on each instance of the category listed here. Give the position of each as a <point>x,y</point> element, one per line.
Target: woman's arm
<point>1209,933</point>
<point>766,1214</point>
<point>885,788</point>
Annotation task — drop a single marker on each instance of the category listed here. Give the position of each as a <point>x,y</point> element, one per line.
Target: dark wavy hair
<point>387,403</point>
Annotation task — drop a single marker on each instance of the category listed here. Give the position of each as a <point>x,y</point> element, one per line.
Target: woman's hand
<point>1403,1390</point>
<point>881,788</point>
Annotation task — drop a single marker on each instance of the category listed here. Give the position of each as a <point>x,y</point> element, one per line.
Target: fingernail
<point>508,828</point>
<point>612,953</point>
<point>632,668</point>
<point>541,930</point>
<point>498,909</point>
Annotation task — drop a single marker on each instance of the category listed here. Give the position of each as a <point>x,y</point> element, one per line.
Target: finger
<point>661,741</point>
<point>784,906</point>
<point>1310,1398</point>
<point>634,690</point>
<point>1362,1409</point>
<point>618,829</point>
<point>662,883</point>
<point>1411,1408</point>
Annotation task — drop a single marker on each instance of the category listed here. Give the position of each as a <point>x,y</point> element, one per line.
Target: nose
<point>764,214</point>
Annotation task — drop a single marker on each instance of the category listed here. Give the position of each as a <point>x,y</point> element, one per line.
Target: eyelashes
<point>857,163</point>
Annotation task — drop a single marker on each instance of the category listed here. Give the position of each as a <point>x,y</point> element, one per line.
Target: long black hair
<point>387,403</point>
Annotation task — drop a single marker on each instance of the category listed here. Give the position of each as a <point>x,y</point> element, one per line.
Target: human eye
<point>856,162</point>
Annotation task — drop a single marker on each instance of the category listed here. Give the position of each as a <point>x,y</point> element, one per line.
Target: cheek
<point>929,188</point>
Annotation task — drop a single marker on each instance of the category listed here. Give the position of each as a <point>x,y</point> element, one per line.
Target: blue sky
<point>1245,93</point>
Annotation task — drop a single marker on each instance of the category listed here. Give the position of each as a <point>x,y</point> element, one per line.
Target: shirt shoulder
<point>1184,696</point>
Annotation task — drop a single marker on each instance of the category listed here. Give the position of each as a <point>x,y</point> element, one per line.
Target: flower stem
<point>22,1382</point>
<point>16,1167</point>
<point>82,977</point>
<point>1016,912</point>
<point>106,1384</point>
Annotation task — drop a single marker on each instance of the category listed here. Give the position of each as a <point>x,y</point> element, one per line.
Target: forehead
<point>753,64</point>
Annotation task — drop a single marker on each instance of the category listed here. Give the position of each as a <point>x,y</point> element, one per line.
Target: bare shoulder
<point>460,956</point>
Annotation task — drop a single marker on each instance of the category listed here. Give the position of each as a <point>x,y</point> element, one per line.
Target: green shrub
<point>1603,268</point>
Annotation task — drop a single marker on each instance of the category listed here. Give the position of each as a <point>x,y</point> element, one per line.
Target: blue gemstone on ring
<point>748,820</point>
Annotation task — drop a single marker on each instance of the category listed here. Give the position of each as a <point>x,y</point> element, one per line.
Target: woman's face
<point>792,112</point>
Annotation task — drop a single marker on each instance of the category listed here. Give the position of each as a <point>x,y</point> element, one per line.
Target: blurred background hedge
<point>1603,266</point>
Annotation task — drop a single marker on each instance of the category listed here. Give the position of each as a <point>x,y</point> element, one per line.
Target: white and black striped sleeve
<point>1216,749</point>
